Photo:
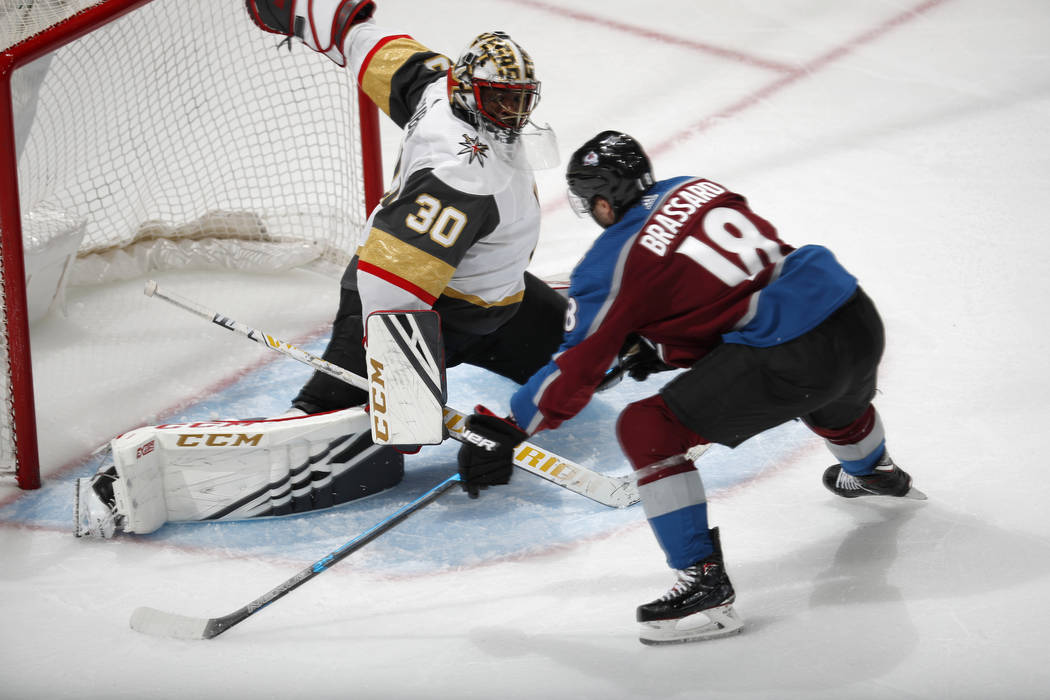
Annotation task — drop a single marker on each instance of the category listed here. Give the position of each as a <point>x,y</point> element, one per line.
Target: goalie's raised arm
<point>322,26</point>
<point>391,67</point>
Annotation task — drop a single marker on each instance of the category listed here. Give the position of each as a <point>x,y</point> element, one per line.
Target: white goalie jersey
<point>459,223</point>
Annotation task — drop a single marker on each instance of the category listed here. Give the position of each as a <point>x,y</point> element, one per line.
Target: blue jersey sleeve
<point>811,286</point>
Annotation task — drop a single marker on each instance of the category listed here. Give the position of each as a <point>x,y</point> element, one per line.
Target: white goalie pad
<point>406,377</point>
<point>238,469</point>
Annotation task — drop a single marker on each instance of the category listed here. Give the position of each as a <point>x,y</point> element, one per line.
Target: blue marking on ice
<point>529,515</point>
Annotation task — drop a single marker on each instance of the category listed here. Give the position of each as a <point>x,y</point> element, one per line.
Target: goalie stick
<point>612,491</point>
<point>164,624</point>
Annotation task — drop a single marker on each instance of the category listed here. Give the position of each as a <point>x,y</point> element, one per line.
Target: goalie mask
<point>612,165</point>
<point>493,86</point>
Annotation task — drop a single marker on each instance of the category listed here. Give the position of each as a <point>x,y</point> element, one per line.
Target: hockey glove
<point>278,16</point>
<point>637,359</point>
<point>487,457</point>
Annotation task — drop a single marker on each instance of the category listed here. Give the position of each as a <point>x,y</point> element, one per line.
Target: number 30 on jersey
<point>442,224</point>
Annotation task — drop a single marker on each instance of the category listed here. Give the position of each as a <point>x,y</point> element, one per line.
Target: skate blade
<point>710,624</point>
<point>916,494</point>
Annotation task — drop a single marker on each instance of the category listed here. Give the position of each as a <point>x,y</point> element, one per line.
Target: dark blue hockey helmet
<point>612,165</point>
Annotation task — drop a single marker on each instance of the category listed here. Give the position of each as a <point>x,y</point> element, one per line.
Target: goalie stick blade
<point>163,624</point>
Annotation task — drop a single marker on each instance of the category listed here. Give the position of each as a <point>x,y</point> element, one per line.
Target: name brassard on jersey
<point>663,226</point>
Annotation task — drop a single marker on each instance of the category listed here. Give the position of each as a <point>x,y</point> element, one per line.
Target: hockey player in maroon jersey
<point>685,275</point>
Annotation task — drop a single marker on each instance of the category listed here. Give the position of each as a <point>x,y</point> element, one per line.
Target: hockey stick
<point>613,491</point>
<point>165,624</point>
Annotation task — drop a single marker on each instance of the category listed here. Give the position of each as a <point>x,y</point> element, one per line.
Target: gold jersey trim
<point>382,66</point>
<point>478,301</point>
<point>406,262</point>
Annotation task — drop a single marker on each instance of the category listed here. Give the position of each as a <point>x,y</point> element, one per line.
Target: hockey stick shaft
<point>163,624</point>
<point>616,492</point>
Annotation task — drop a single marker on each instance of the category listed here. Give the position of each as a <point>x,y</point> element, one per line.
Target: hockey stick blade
<point>611,491</point>
<point>164,624</point>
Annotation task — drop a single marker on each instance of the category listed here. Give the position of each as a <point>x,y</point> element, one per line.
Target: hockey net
<point>138,135</point>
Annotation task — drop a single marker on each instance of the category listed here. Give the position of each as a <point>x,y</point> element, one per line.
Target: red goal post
<point>126,124</point>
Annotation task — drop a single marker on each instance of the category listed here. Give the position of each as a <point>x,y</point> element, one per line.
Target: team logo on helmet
<point>613,166</point>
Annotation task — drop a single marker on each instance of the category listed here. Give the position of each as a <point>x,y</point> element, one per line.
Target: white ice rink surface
<point>910,137</point>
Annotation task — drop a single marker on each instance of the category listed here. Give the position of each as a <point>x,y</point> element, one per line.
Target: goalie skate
<point>93,516</point>
<point>709,624</point>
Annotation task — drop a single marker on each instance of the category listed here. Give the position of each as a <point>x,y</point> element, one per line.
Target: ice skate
<point>887,480</point>
<point>699,606</point>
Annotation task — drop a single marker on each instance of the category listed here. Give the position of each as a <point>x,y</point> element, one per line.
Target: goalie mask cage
<point>145,123</point>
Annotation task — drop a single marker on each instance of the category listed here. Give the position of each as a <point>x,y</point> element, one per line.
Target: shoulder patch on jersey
<point>474,149</point>
<point>650,200</point>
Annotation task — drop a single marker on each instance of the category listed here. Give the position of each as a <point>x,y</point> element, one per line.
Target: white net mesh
<point>181,121</point>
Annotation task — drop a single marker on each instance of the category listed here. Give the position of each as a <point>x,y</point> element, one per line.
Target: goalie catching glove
<point>320,25</point>
<point>486,458</point>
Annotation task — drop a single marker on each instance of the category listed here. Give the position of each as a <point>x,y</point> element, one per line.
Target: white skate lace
<point>848,481</point>
<point>686,578</point>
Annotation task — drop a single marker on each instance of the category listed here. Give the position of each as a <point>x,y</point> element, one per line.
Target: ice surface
<point>910,137</point>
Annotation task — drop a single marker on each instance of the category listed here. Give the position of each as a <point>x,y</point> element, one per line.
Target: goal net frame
<point>22,460</point>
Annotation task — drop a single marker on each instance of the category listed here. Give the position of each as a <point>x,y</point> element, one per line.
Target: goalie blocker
<point>405,361</point>
<point>233,470</point>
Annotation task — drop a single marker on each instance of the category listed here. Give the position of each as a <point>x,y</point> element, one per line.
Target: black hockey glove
<point>487,458</point>
<point>638,359</point>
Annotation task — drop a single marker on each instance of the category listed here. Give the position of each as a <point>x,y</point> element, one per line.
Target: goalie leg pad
<point>234,470</point>
<point>405,363</point>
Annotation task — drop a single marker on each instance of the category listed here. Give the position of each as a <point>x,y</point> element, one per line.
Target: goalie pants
<point>515,350</point>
